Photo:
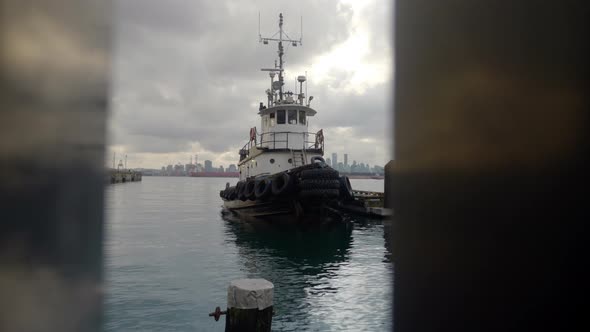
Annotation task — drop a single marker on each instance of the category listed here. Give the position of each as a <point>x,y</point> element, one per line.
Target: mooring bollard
<point>249,306</point>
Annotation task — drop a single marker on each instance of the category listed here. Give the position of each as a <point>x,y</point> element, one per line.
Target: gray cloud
<point>187,72</point>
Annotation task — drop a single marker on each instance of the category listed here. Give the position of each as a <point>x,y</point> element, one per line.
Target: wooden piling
<point>249,305</point>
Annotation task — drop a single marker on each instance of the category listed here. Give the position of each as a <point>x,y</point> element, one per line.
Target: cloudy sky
<point>187,79</point>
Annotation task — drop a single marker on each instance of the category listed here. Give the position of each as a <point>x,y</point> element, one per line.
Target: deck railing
<point>280,140</point>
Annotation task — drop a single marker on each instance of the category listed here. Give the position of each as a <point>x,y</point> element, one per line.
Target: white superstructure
<point>283,141</point>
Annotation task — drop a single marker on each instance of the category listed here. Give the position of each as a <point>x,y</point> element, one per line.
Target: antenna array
<point>281,51</point>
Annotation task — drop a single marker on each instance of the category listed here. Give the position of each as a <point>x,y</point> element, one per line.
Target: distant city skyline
<point>209,166</point>
<point>186,169</point>
<point>203,166</point>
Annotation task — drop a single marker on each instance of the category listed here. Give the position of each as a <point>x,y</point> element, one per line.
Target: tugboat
<point>282,171</point>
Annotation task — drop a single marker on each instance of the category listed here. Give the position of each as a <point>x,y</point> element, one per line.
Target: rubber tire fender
<point>239,185</point>
<point>281,184</point>
<point>241,191</point>
<point>249,190</point>
<point>317,158</point>
<point>232,193</point>
<point>262,188</point>
<point>320,173</point>
<point>320,193</point>
<point>319,184</point>
<point>345,188</point>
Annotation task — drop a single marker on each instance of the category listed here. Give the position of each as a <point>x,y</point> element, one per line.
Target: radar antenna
<point>281,51</point>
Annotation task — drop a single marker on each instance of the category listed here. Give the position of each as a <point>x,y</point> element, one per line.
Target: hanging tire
<point>241,191</point>
<point>319,184</point>
<point>239,185</point>
<point>317,159</point>
<point>345,188</point>
<point>232,193</point>
<point>281,184</point>
<point>320,173</point>
<point>320,193</point>
<point>262,188</point>
<point>249,190</point>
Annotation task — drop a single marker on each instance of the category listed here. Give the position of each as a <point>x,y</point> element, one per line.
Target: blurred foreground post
<point>54,73</point>
<point>490,152</point>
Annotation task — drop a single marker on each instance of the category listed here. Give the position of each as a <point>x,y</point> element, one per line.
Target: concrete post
<point>250,305</point>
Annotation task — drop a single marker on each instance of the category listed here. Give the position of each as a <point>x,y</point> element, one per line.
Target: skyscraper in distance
<point>346,159</point>
<point>208,166</point>
<point>334,160</point>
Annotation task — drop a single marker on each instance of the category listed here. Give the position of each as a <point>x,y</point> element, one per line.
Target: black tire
<point>317,159</point>
<point>239,185</point>
<point>262,188</point>
<point>319,184</point>
<point>345,188</point>
<point>320,173</point>
<point>232,193</point>
<point>241,191</point>
<point>249,190</point>
<point>320,193</point>
<point>281,184</point>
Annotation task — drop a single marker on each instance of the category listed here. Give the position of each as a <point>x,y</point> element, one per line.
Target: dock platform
<point>370,203</point>
<point>122,176</point>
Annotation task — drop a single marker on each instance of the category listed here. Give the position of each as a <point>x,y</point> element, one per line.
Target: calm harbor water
<point>170,255</point>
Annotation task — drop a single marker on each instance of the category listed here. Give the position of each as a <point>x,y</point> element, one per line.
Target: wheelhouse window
<point>281,117</point>
<point>272,119</point>
<point>302,117</point>
<point>292,116</point>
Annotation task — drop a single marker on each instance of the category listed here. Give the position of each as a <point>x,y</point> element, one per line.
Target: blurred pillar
<point>54,75</point>
<point>490,133</point>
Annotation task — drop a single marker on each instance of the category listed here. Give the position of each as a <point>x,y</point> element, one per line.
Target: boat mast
<point>281,51</point>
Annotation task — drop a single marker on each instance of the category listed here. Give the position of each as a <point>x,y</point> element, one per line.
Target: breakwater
<point>122,176</point>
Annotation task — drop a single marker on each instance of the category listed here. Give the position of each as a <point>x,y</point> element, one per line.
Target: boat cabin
<point>283,142</point>
<point>285,127</point>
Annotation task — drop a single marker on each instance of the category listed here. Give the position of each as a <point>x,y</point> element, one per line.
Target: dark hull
<point>309,193</point>
<point>289,209</point>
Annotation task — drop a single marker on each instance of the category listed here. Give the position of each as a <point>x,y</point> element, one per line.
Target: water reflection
<point>388,236</point>
<point>311,248</point>
<point>383,225</point>
<point>326,278</point>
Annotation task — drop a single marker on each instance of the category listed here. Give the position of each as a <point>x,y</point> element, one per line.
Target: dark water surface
<point>170,255</point>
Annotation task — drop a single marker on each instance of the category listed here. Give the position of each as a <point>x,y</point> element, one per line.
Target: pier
<point>122,176</point>
<point>368,203</point>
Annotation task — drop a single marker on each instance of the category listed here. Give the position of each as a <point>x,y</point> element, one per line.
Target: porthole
<point>290,161</point>
<point>272,161</point>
